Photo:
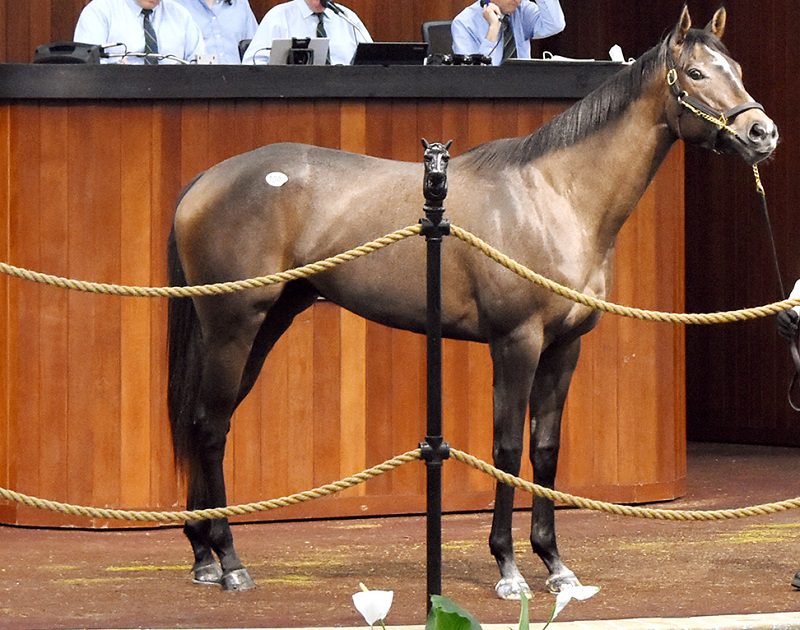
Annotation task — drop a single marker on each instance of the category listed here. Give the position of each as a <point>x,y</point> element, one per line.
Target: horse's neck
<point>605,175</point>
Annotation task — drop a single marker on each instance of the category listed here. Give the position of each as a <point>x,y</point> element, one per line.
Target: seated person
<point>224,24</point>
<point>308,18</point>
<point>503,29</point>
<point>111,21</point>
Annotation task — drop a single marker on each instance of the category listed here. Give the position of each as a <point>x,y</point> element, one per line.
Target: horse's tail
<point>184,349</point>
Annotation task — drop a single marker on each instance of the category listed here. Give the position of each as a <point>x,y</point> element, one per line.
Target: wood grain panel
<point>6,509</point>
<point>337,393</point>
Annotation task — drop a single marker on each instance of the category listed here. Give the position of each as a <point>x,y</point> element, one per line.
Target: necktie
<point>509,46</point>
<point>322,33</point>
<point>150,39</point>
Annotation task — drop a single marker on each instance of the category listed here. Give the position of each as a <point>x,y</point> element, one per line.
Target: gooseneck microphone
<point>329,4</point>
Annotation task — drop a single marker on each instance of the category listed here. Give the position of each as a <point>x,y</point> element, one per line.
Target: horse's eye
<point>695,74</point>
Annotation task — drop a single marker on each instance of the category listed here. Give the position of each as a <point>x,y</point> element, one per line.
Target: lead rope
<point>721,120</point>
<point>794,344</point>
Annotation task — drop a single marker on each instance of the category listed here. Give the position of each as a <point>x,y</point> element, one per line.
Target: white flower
<point>568,593</point>
<point>373,605</point>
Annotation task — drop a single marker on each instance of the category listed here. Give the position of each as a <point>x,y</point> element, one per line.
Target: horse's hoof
<point>512,589</point>
<point>237,580</point>
<point>555,583</point>
<point>207,574</point>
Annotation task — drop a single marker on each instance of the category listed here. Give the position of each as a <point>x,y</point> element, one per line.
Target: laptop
<point>390,54</point>
<point>282,48</point>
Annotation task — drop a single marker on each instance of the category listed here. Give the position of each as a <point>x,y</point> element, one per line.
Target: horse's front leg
<point>514,363</point>
<point>548,395</point>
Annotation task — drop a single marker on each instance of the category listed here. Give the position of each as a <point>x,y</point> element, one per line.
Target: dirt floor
<point>307,571</point>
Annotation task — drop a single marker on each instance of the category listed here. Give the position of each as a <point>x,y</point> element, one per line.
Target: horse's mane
<point>589,114</point>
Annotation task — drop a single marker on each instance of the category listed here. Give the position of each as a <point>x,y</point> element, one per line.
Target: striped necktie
<point>150,39</point>
<point>321,32</point>
<point>509,45</point>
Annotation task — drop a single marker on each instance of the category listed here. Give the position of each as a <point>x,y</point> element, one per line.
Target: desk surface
<point>534,79</point>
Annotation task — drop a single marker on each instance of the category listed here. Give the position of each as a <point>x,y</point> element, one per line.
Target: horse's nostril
<point>757,132</point>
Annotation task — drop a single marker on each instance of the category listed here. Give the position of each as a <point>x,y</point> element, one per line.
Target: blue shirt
<point>530,21</point>
<point>112,21</point>
<point>224,26</point>
<point>295,19</point>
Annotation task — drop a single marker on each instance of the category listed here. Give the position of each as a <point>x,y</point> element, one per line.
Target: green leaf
<point>447,615</point>
<point>524,622</point>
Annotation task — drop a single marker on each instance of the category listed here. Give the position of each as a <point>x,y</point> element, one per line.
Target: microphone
<point>104,49</point>
<point>329,4</point>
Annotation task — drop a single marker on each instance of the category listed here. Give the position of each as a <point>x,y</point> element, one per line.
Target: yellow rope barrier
<point>212,289</point>
<point>380,243</point>
<point>348,482</point>
<point>623,510</point>
<point>391,464</point>
<point>720,317</point>
<point>222,512</point>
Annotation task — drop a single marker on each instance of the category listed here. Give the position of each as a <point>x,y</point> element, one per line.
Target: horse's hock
<point>83,396</point>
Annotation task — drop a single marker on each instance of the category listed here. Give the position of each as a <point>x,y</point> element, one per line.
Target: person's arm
<point>468,42</point>
<point>361,34</point>
<point>788,323</point>
<point>92,27</point>
<point>544,18</point>
<point>271,27</point>
<point>194,43</point>
<point>251,24</point>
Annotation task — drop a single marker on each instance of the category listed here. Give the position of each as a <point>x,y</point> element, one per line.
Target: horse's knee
<point>507,457</point>
<point>544,458</point>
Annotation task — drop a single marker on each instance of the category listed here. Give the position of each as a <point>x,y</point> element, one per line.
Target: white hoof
<point>512,589</point>
<point>555,583</point>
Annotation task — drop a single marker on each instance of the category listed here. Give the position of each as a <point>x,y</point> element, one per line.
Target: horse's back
<point>288,204</point>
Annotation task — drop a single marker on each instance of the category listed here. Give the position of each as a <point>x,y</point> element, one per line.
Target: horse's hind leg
<point>547,404</point>
<point>514,362</point>
<point>230,324</point>
<point>207,484</point>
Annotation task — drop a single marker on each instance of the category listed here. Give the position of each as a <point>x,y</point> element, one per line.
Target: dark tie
<point>509,46</point>
<point>322,33</point>
<point>150,39</point>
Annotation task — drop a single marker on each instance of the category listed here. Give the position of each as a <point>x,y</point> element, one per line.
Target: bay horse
<point>554,200</point>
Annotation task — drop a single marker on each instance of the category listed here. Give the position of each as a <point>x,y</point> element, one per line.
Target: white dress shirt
<point>114,21</point>
<point>295,19</point>
<point>224,26</point>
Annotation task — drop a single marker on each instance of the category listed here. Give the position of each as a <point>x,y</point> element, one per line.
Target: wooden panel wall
<point>85,375</point>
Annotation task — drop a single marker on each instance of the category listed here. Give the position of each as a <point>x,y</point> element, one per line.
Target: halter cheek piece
<point>721,120</point>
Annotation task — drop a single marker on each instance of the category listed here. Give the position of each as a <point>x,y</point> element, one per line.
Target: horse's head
<point>709,103</point>
<point>435,158</point>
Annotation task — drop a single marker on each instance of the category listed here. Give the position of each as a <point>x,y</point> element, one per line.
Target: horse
<point>554,200</point>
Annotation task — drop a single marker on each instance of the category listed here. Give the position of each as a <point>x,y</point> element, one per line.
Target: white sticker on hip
<point>276,178</point>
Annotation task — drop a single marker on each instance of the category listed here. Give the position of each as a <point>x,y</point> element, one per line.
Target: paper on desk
<point>551,57</point>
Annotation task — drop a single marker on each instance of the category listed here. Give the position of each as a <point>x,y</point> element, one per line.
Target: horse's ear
<point>447,146</point>
<point>717,24</point>
<point>425,143</point>
<point>684,24</point>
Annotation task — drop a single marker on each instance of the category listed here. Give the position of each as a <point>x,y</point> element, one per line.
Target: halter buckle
<point>672,77</point>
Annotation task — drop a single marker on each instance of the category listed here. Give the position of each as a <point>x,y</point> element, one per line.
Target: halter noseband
<point>721,120</point>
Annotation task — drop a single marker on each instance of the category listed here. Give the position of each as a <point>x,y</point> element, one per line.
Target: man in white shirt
<point>301,18</point>
<point>224,24</point>
<point>123,21</point>
<point>502,29</point>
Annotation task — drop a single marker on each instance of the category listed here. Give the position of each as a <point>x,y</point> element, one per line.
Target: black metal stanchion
<point>434,449</point>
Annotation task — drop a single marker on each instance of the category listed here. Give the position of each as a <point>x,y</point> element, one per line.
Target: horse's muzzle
<point>755,139</point>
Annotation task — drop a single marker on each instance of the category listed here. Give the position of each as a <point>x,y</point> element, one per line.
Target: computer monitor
<point>390,54</point>
<point>283,48</point>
